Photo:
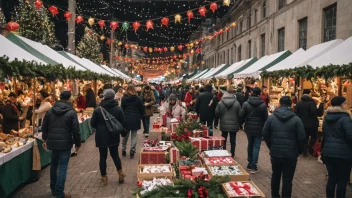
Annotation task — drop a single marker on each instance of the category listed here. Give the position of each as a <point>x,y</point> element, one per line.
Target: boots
<point>104,180</point>
<point>305,151</point>
<point>121,176</point>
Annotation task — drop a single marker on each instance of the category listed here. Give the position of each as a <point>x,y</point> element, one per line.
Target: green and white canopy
<point>236,67</point>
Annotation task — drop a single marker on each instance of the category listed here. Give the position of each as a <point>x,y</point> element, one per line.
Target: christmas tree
<point>35,23</point>
<point>89,47</point>
<point>2,17</point>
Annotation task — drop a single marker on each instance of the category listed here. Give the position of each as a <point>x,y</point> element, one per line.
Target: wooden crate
<point>144,176</point>
<point>261,194</point>
<point>243,177</point>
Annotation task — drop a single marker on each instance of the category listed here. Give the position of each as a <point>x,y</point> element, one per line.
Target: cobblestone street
<point>83,174</point>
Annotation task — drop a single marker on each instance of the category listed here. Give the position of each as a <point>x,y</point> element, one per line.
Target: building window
<point>282,3</point>
<point>303,33</point>
<point>239,51</point>
<point>264,9</point>
<point>241,25</point>
<point>228,35</point>
<point>223,37</point>
<point>228,56</point>
<point>223,58</point>
<point>231,55</point>
<point>249,21</point>
<point>262,45</point>
<point>330,23</point>
<point>281,39</point>
<point>255,16</point>
<point>249,49</point>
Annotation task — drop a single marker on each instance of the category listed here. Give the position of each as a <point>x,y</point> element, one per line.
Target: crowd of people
<point>289,131</point>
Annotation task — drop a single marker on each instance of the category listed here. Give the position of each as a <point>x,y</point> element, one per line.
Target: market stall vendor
<point>172,109</point>
<point>11,114</point>
<point>45,105</point>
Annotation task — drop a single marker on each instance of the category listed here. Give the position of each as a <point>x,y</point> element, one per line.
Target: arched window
<point>264,9</point>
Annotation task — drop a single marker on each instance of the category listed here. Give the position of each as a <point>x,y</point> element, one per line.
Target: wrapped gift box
<point>174,155</point>
<point>238,189</point>
<point>155,157</point>
<point>174,123</point>
<point>151,171</point>
<point>200,143</point>
<point>215,142</point>
<point>200,132</point>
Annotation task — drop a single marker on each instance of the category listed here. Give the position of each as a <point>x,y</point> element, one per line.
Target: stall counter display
<point>235,172</point>
<point>219,161</point>
<point>151,171</point>
<point>151,184</point>
<point>241,189</point>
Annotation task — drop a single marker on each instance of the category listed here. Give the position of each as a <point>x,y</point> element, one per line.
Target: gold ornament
<point>102,38</point>
<point>233,24</point>
<point>91,21</point>
<point>150,50</point>
<point>191,44</point>
<point>178,18</point>
<point>227,2</point>
<point>119,44</point>
<point>172,48</point>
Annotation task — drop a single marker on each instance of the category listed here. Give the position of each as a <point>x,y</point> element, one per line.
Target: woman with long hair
<point>148,100</point>
<point>133,109</point>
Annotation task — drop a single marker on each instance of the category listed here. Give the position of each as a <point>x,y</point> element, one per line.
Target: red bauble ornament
<point>101,24</point>
<point>175,57</point>
<point>54,11</point>
<point>165,49</point>
<point>221,31</point>
<point>160,50</point>
<point>68,15</point>
<point>180,47</point>
<point>190,15</point>
<point>213,6</point>
<point>202,11</point>
<point>136,26</point>
<point>79,19</point>
<point>38,4</point>
<point>114,25</point>
<point>145,49</point>
<point>149,24</point>
<point>12,26</point>
<point>108,41</point>
<point>227,29</point>
<point>156,49</point>
<point>165,21</point>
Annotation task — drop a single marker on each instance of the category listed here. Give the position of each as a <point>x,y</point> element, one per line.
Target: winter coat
<point>45,105</point>
<point>81,102</point>
<point>10,115</point>
<point>254,112</point>
<point>284,133</point>
<point>176,111</point>
<point>103,138</point>
<point>265,98</point>
<point>149,100</point>
<point>307,110</point>
<point>188,99</point>
<point>337,134</point>
<point>205,108</point>
<point>60,127</point>
<point>228,110</point>
<point>240,98</point>
<point>133,110</point>
<point>90,99</point>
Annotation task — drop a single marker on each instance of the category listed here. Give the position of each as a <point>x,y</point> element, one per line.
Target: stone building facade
<point>266,27</point>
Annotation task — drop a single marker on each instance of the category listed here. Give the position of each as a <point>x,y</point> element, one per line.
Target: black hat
<point>306,91</point>
<point>208,87</point>
<point>12,95</point>
<point>286,100</point>
<point>338,100</point>
<point>256,91</point>
<point>44,93</point>
<point>65,95</point>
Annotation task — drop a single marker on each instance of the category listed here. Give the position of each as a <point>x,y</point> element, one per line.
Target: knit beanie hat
<point>172,97</point>
<point>285,100</point>
<point>338,100</point>
<point>108,94</point>
<point>306,91</point>
<point>256,91</point>
<point>65,95</point>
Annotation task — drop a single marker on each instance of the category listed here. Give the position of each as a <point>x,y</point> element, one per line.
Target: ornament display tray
<point>243,177</point>
<point>150,176</point>
<point>260,195</point>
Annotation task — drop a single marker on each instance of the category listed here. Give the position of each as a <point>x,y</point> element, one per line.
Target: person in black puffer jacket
<point>133,109</point>
<point>307,110</point>
<point>103,139</point>
<point>284,135</point>
<point>254,112</point>
<point>205,108</point>
<point>60,131</point>
<point>337,146</point>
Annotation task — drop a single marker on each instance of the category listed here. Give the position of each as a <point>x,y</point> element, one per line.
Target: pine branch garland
<point>187,149</point>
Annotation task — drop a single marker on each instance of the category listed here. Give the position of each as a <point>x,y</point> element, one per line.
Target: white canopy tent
<point>101,69</point>
<point>211,73</point>
<point>339,55</point>
<point>303,58</point>
<point>12,51</point>
<point>123,75</point>
<point>235,66</point>
<point>206,73</point>
<point>199,74</point>
<point>110,70</point>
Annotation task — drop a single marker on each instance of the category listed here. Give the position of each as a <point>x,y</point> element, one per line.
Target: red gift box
<point>215,141</point>
<point>152,157</point>
<point>156,126</point>
<point>200,132</point>
<point>174,126</point>
<point>200,143</point>
<point>174,155</point>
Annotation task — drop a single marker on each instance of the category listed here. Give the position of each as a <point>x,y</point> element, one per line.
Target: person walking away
<point>228,111</point>
<point>45,105</point>
<point>189,99</point>
<point>60,131</point>
<point>284,135</point>
<point>337,146</point>
<point>172,108</point>
<point>307,110</point>
<point>149,101</point>
<point>104,140</point>
<point>215,101</point>
<point>91,101</point>
<point>11,114</point>
<point>254,113</point>
<point>239,96</point>
<point>205,108</point>
<point>133,109</point>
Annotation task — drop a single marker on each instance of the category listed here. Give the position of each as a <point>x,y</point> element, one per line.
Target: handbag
<point>113,125</point>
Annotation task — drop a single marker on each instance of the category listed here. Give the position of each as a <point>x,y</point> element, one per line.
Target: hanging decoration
<point>119,43</point>
<point>172,48</point>
<point>108,42</point>
<point>213,7</point>
<point>165,22</point>
<point>145,49</point>
<point>227,2</point>
<point>54,11</point>
<point>102,37</point>
<point>101,24</point>
<point>227,29</point>
<point>233,24</point>
<point>68,15</point>
<point>38,4</point>
<point>202,11</point>
<point>79,19</point>
<point>125,26</point>
<point>114,25</point>
<point>12,26</point>
<point>90,31</point>
<point>91,21</point>
<point>180,47</point>
<point>178,18</point>
<point>150,50</point>
<point>149,24</point>
<point>165,49</point>
<point>136,26</point>
<point>189,15</point>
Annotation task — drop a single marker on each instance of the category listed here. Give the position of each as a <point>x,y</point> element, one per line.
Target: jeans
<point>209,123</point>
<point>133,141</point>
<point>285,167</point>
<point>313,134</point>
<point>216,122</point>
<point>104,155</point>
<point>143,122</point>
<point>339,173</point>
<point>58,171</point>
<point>232,140</point>
<point>253,150</point>
<point>146,124</point>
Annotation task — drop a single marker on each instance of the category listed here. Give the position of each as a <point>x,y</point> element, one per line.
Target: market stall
<point>198,75</point>
<point>205,73</point>
<point>214,72</point>
<point>236,67</point>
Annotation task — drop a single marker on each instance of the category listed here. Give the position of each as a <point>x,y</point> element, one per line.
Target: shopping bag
<point>36,157</point>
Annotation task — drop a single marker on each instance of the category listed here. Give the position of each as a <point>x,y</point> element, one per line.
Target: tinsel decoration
<point>213,7</point>
<point>189,15</point>
<point>165,21</point>
<point>178,18</point>
<point>89,47</point>
<point>136,26</point>
<point>125,26</point>
<point>101,24</point>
